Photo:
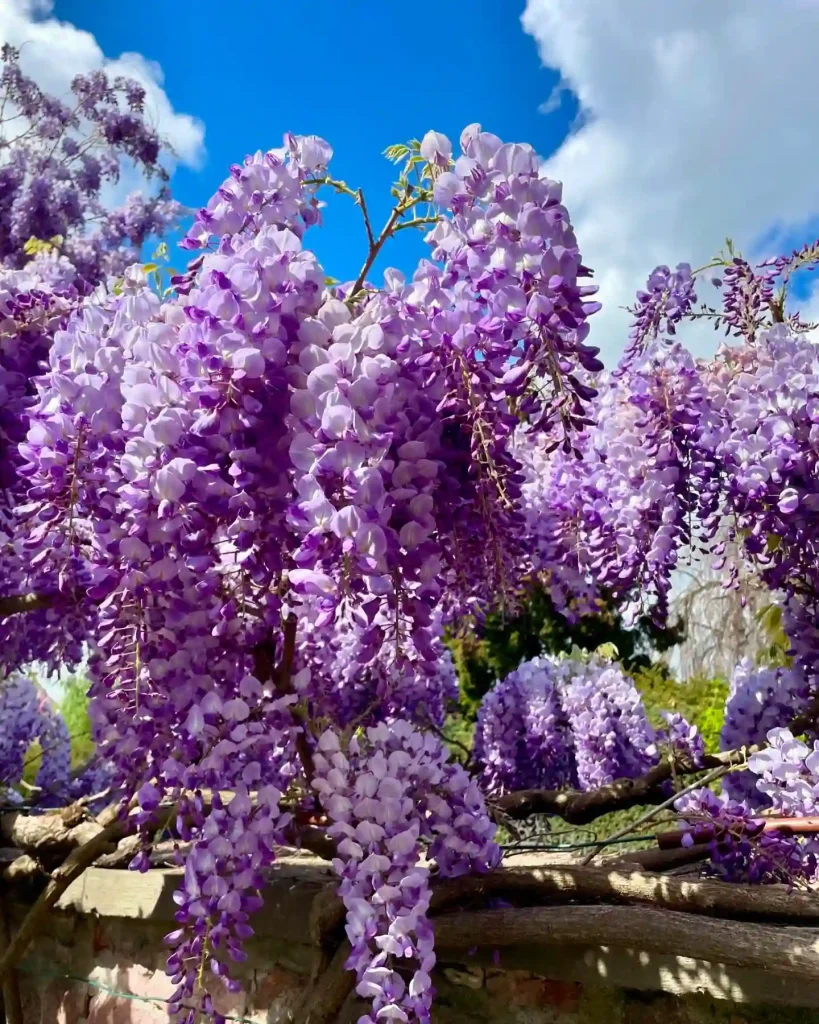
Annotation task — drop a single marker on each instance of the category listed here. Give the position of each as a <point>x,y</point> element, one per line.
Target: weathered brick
<point>565,995</point>
<point>105,1009</point>
<point>228,1003</point>
<point>274,994</point>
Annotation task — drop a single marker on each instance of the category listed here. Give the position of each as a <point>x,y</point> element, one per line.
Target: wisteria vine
<point>260,499</point>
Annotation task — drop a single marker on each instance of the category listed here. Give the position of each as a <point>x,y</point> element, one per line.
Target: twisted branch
<point>579,808</point>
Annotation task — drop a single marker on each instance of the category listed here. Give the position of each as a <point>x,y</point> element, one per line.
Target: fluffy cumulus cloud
<point>695,124</point>
<point>54,51</point>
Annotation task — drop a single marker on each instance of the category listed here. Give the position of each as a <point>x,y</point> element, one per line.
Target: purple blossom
<point>681,737</point>
<point>385,794</point>
<point>556,724</point>
<point>612,735</point>
<point>759,699</point>
<point>28,715</point>
<point>59,155</point>
<point>739,847</point>
<point>787,773</point>
<point>522,736</point>
<point>668,297</point>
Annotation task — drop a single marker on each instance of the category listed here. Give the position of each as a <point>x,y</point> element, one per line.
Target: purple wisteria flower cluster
<point>682,452</point>
<point>58,156</point>
<point>263,499</point>
<point>740,848</point>
<point>562,723</point>
<point>392,795</point>
<point>31,311</point>
<point>668,297</point>
<point>681,737</point>
<point>29,715</point>
<point>613,737</point>
<point>760,699</point>
<point>523,739</point>
<point>268,498</point>
<point>785,774</point>
<point>769,397</point>
<point>646,483</point>
<point>336,685</point>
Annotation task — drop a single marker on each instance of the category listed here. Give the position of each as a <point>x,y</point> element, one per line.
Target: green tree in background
<point>701,700</point>
<point>74,709</point>
<point>502,643</point>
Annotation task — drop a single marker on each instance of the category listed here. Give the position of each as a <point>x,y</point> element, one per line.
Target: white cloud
<point>696,124</point>
<point>54,51</point>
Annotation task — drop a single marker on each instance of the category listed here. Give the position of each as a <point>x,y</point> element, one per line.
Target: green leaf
<point>149,268</point>
<point>396,153</point>
<point>770,616</point>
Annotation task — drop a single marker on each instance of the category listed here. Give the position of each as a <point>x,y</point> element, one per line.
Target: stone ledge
<point>145,902</point>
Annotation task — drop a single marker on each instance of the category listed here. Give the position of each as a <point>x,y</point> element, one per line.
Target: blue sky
<point>359,73</point>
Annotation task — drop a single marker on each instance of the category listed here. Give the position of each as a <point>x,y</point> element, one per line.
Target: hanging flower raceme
<point>259,449</point>
<point>390,793</point>
<point>366,447</point>
<point>159,447</point>
<point>768,399</point>
<point>612,735</point>
<point>31,310</point>
<point>610,523</point>
<point>340,689</point>
<point>59,157</point>
<point>747,297</point>
<point>509,323</point>
<point>666,300</point>
<point>743,847</point>
<point>552,497</point>
<point>681,737</point>
<point>244,745</point>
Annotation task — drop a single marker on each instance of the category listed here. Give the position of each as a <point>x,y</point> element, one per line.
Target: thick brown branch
<point>312,838</point>
<point>47,836</point>
<point>662,860</point>
<point>579,808</point>
<point>51,837</point>
<point>786,951</point>
<point>790,826</point>
<point>21,869</point>
<point>282,674</point>
<point>323,1002</point>
<point>586,885</point>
